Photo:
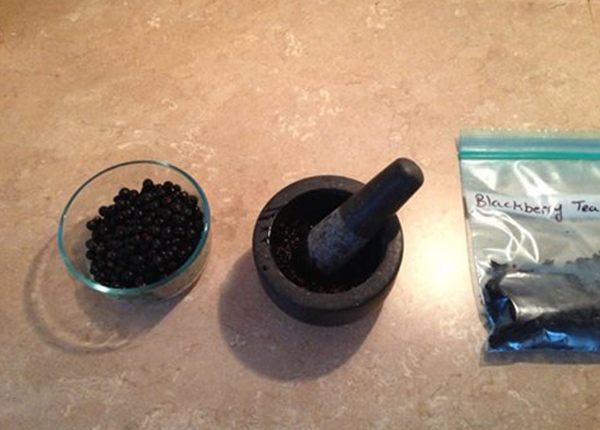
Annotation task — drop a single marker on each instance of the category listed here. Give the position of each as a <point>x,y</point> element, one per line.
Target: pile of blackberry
<point>144,236</point>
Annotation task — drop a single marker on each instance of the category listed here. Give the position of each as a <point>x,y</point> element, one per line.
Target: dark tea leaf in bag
<point>532,202</point>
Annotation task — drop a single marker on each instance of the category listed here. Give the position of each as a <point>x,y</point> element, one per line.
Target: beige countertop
<point>249,97</point>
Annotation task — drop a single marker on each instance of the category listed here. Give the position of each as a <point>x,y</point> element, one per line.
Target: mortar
<point>294,285</point>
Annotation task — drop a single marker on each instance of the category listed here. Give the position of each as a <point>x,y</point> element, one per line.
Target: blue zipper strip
<point>541,145</point>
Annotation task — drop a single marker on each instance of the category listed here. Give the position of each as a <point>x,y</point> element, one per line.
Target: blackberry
<point>192,201</point>
<point>157,244</point>
<point>177,207</point>
<point>133,194</point>
<point>93,223</point>
<point>187,212</point>
<point>100,249</point>
<point>144,235</point>
<point>165,213</point>
<point>168,186</point>
<point>147,185</point>
<point>166,232</point>
<point>178,219</point>
<point>158,261</point>
<point>168,255</point>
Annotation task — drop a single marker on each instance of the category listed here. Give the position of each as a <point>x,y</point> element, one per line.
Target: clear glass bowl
<point>98,191</point>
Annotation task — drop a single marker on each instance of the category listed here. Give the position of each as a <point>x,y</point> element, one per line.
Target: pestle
<point>338,237</point>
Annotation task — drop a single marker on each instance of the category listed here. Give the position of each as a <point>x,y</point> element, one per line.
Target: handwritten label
<point>557,208</point>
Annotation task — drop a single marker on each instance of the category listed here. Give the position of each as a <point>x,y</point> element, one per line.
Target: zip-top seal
<point>536,144</point>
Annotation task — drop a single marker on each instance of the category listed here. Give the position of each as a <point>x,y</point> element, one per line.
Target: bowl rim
<point>123,292</point>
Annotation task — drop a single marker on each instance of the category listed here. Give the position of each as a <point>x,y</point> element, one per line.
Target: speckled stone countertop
<point>248,97</point>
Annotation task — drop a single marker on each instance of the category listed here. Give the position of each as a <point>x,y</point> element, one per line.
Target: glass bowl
<point>98,191</point>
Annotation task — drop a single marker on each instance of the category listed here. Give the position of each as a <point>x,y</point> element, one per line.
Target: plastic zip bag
<point>532,205</point>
